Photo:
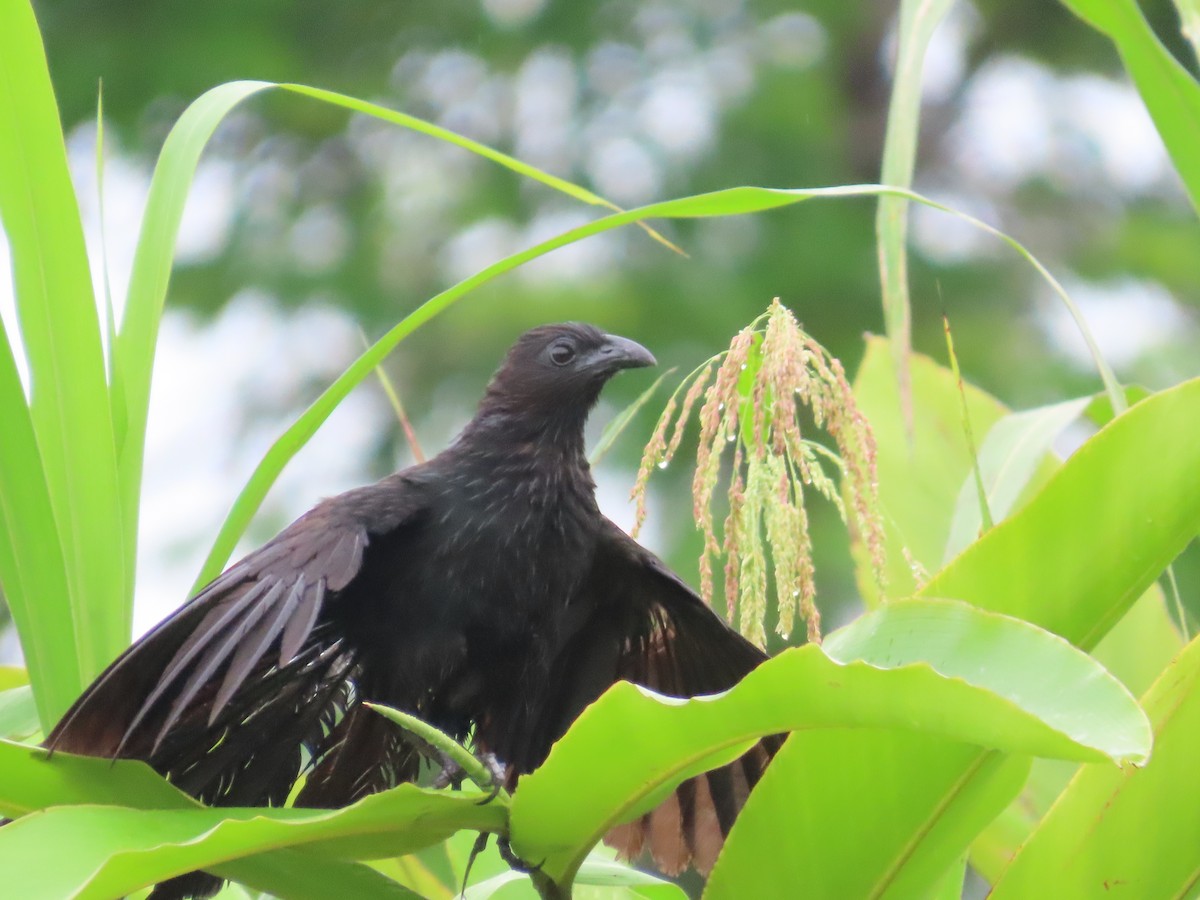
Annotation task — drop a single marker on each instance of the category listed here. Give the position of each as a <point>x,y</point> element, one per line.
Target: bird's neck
<point>552,438</point>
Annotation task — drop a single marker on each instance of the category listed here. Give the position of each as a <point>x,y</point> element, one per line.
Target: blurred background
<point>308,229</point>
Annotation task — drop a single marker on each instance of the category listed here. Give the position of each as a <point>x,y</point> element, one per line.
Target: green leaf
<point>1136,651</point>
<point>1037,671</point>
<point>1077,556</point>
<point>838,808</point>
<point>951,885</point>
<point>133,349</point>
<point>927,683</point>
<point>918,20</point>
<point>296,875</point>
<point>115,850</point>
<point>32,571</point>
<point>388,823</point>
<point>598,879</point>
<point>18,713</point>
<point>918,477</point>
<point>1008,458</point>
<point>1130,833</point>
<point>13,676</point>
<point>1171,94</point>
<point>843,807</point>
<point>33,779</point>
<point>605,878</point>
<point>59,492</point>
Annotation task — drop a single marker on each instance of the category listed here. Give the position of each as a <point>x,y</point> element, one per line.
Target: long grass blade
<point>1170,92</point>
<point>729,202</point>
<point>918,20</point>
<point>133,351</point>
<point>60,333</point>
<point>31,562</point>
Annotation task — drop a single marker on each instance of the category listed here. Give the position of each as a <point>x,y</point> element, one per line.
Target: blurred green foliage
<point>783,95</point>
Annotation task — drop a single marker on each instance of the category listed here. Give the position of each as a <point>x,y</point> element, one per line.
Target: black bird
<point>482,591</point>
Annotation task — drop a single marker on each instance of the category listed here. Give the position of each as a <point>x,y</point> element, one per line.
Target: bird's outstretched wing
<point>645,625</point>
<point>235,692</point>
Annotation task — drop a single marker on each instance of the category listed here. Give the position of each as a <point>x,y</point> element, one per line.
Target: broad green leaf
<point>18,713</point>
<point>1136,651</point>
<point>297,875</point>
<point>1037,671</point>
<point>389,823</point>
<point>890,675</point>
<point>1139,647</point>
<point>13,676</point>
<point>729,202</point>
<point>1008,458</point>
<point>115,850</point>
<point>1015,456</point>
<point>852,810</point>
<point>604,878</point>
<point>58,500</point>
<point>1077,556</point>
<point>950,887</point>
<point>847,832</point>
<point>32,779</point>
<point>918,478</point>
<point>1171,94</point>
<point>1090,542</point>
<point>598,879</point>
<point>918,20</point>
<point>1127,833</point>
<point>508,885</point>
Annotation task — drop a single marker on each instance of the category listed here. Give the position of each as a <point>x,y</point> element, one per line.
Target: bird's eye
<point>561,354</point>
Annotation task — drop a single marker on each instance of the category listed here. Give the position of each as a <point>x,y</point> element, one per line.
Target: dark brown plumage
<point>482,591</point>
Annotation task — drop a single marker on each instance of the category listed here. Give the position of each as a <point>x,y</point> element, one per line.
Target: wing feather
<point>300,623</point>
<point>650,628</point>
<point>254,646</point>
<point>235,693</point>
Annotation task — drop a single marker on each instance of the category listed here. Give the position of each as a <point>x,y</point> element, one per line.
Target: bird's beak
<point>621,353</point>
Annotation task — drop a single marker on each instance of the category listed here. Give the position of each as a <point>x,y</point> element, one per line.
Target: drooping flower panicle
<point>771,370</point>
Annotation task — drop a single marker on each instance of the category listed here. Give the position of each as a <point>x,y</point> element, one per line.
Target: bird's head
<point>557,371</point>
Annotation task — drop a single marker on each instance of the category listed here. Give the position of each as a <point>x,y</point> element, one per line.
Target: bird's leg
<point>509,856</point>
<point>547,887</point>
<point>452,773</point>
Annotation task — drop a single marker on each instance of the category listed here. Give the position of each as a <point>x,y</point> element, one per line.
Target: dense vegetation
<point>981,712</point>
